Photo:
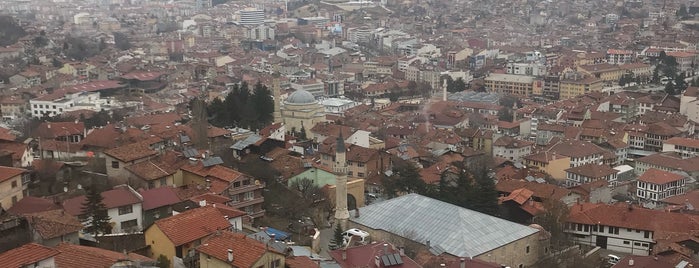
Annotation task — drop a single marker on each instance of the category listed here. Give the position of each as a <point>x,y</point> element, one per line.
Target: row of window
<point>601,229</point>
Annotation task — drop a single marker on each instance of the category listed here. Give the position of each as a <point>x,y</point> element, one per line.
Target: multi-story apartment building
<point>570,88</point>
<point>520,85</point>
<point>619,56</point>
<point>526,68</point>
<point>590,173</point>
<point>655,185</point>
<point>512,149</point>
<point>313,86</point>
<point>685,61</point>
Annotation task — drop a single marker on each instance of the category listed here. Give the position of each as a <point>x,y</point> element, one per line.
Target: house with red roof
<point>29,255</point>
<point>13,184</point>
<point>124,207</point>
<point>158,204</point>
<point>655,185</point>
<point>76,256</point>
<point>236,250</point>
<point>176,236</point>
<point>627,228</point>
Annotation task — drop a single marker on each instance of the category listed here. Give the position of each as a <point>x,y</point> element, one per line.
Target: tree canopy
<point>95,212</point>
<point>10,31</point>
<point>243,109</point>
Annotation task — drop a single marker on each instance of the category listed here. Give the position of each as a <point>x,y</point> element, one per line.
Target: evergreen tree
<point>459,85</point>
<point>486,197</point>
<point>264,104</point>
<point>405,179</point>
<point>670,88</point>
<point>337,236</point>
<point>95,212</point>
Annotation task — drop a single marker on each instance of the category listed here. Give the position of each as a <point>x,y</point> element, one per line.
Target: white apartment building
<point>618,56</point>
<point>522,68</point>
<point>592,228</point>
<point>315,87</point>
<point>251,16</point>
<point>260,32</point>
<point>655,185</point>
<point>56,104</point>
<point>512,149</point>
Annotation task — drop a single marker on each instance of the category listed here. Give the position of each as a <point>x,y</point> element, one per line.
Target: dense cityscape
<point>349,134</point>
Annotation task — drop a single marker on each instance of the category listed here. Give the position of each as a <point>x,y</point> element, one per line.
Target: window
<point>236,184</point>
<point>151,185</point>
<point>276,263</point>
<point>249,195</point>
<point>637,244</point>
<point>360,174</point>
<point>115,164</point>
<point>349,173</point>
<point>644,245</point>
<point>14,200</point>
<point>163,181</point>
<point>587,228</point>
<point>527,250</point>
<point>246,182</point>
<point>234,198</point>
<point>627,242</point>
<point>360,164</point>
<point>646,234</point>
<point>14,184</point>
<point>125,209</point>
<point>126,225</point>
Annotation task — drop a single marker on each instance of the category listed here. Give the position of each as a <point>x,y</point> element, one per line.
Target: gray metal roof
<point>459,231</point>
<point>252,139</point>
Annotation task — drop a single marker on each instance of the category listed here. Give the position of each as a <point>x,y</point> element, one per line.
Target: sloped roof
<point>246,251</point>
<point>131,152</point>
<point>7,173</point>
<point>459,231</point>
<point>76,256</point>
<point>657,176</point>
<point>119,196</point>
<point>26,255</point>
<point>192,224</point>
<point>54,223</point>
<point>32,204</point>
<point>158,197</point>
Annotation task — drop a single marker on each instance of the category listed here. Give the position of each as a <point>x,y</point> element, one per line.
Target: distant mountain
<point>10,32</point>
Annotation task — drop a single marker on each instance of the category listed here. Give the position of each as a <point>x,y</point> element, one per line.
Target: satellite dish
<point>65,189</point>
<point>80,187</point>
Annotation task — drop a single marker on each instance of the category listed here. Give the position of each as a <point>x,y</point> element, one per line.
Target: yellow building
<point>610,74</point>
<point>12,186</point>
<point>228,250</point>
<point>551,163</point>
<point>175,236</point>
<point>521,85</point>
<point>570,88</point>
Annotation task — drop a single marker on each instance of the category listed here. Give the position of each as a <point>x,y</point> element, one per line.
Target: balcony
<point>245,188</point>
<point>257,214</point>
<point>245,203</point>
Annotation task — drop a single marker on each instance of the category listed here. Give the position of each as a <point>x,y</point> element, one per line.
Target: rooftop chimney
<point>385,248</point>
<point>630,262</point>
<point>462,263</point>
<point>230,255</point>
<point>344,255</point>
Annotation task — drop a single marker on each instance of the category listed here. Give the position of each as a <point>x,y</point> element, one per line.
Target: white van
<point>613,259</point>
<point>358,236</point>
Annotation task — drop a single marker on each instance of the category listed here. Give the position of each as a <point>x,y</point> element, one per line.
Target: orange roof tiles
<point>189,226</point>
<point>621,215</point>
<point>687,142</point>
<point>54,223</point>
<point>117,197</point>
<point>7,173</point>
<point>26,255</point>
<point>76,256</point>
<point>246,251</point>
<point>131,152</point>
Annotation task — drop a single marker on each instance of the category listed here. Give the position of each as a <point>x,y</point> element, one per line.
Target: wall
<point>635,239</point>
<point>159,244</point>
<point>136,214</point>
<point>525,252</point>
<point>7,191</point>
<point>72,238</point>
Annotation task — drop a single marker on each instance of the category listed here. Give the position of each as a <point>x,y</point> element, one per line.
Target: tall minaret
<point>340,169</point>
<point>276,92</point>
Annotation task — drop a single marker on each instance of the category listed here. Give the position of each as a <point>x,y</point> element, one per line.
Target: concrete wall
<point>159,244</point>
<point>7,192</point>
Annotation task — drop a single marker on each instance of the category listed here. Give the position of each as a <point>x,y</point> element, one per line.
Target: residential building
<point>528,68</point>
<point>624,227</point>
<point>176,236</point>
<point>118,158</point>
<point>53,227</point>
<point>685,147</point>
<point>13,185</point>
<point>655,185</point>
<point>227,249</point>
<point>448,232</point>
<point>563,154</point>
<point>685,61</point>
<point>671,162</point>
<point>520,85</point>
<point>124,207</point>
<point>244,191</point>
<point>13,107</point>
<point>590,173</point>
<point>362,162</point>
<point>79,97</point>
<point>158,204</point>
<point>610,74</point>
<point>619,56</point>
<point>29,256</point>
<point>512,149</point>
<point>570,88</point>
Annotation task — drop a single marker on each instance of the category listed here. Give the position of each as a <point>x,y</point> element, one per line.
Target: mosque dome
<point>300,97</point>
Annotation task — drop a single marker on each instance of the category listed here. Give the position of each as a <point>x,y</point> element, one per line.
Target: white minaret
<point>444,90</point>
<point>276,93</point>
<point>340,169</point>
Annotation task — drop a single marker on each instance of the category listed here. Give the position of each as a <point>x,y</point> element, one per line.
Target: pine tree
<point>337,236</point>
<point>95,212</point>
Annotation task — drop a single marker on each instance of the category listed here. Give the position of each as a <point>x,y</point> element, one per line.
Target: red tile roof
<point>363,256</point>
<point>7,173</point>
<point>687,142</point>
<point>131,152</point>
<point>189,225</point>
<point>27,254</point>
<point>246,251</point>
<point>54,223</point>
<point>159,197</point>
<point>593,171</point>
<point>31,204</point>
<point>300,262</point>
<point>117,197</point>
<point>59,129</point>
<point>619,215</point>
<point>657,176</point>
<point>76,256</point>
